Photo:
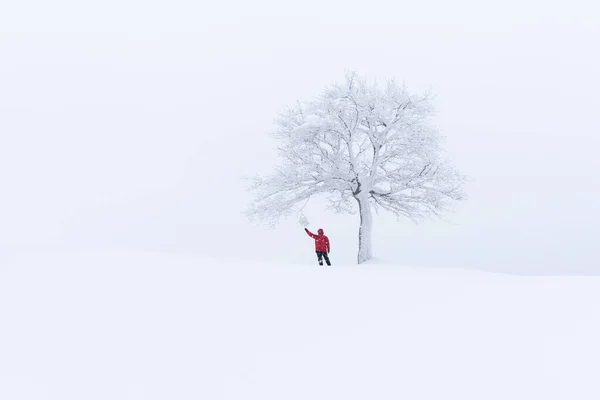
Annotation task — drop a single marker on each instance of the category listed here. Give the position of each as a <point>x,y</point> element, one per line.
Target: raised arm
<point>309,233</point>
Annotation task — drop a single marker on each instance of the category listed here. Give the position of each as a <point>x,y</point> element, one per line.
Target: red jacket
<point>321,241</point>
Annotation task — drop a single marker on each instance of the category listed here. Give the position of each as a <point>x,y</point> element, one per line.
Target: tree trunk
<point>364,231</point>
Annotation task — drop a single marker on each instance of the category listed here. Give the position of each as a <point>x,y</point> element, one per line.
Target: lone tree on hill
<point>364,147</point>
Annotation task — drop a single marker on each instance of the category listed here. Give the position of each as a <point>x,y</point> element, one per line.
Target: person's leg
<point>326,256</point>
<point>320,257</point>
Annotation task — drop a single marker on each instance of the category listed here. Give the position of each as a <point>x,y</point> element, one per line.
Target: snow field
<point>157,326</point>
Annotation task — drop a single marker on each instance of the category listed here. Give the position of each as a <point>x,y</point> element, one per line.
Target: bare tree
<point>364,147</point>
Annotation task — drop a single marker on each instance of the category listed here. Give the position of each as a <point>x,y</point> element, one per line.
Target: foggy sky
<point>129,124</point>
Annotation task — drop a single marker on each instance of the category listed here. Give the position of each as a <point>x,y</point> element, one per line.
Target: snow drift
<point>151,326</point>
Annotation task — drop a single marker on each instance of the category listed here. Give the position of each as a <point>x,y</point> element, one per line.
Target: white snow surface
<point>156,326</point>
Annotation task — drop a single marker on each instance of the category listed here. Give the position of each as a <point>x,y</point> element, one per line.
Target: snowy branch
<point>359,143</point>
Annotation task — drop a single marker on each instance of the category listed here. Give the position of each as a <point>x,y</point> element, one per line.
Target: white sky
<point>129,123</point>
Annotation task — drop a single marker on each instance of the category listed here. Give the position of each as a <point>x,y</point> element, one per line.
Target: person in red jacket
<point>322,246</point>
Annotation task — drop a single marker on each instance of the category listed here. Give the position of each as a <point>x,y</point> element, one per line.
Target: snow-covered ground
<point>154,326</point>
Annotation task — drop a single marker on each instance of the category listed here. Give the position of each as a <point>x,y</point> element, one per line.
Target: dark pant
<point>323,255</point>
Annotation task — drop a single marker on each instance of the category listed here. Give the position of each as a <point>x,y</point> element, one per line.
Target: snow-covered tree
<point>365,147</point>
